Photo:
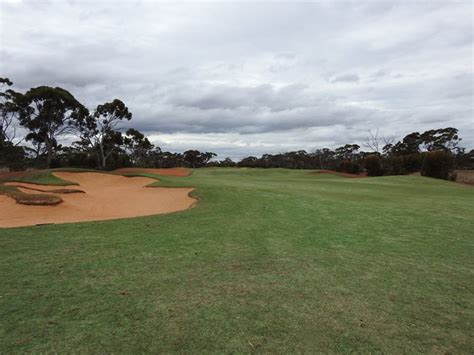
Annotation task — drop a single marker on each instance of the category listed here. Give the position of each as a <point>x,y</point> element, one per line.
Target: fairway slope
<point>106,196</point>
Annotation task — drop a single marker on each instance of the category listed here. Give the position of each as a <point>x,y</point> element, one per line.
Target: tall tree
<point>9,112</point>
<point>409,145</point>
<point>197,159</point>
<point>347,152</point>
<point>49,113</point>
<point>100,130</point>
<point>138,147</point>
<point>441,139</point>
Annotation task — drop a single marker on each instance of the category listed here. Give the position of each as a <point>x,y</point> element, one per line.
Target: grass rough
<point>30,199</point>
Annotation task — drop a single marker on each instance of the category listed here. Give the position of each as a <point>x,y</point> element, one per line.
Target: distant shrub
<point>395,166</point>
<point>373,165</point>
<point>412,162</point>
<point>404,164</point>
<point>438,164</point>
<point>348,166</point>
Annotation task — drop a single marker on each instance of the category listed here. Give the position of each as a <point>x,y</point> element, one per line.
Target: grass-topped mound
<point>12,184</point>
<point>30,199</point>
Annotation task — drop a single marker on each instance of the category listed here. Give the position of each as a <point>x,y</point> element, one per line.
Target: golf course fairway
<point>267,261</point>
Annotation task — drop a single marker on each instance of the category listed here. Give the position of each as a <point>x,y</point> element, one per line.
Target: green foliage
<point>44,177</point>
<point>438,164</point>
<point>100,133</point>
<point>49,113</point>
<point>373,165</point>
<point>348,166</point>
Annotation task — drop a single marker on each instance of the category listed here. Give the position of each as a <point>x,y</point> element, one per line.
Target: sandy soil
<point>170,171</point>
<point>106,196</point>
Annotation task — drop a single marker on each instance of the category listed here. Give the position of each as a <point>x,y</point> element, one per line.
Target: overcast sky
<point>247,78</point>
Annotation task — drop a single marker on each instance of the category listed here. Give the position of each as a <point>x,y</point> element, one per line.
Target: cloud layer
<point>247,78</point>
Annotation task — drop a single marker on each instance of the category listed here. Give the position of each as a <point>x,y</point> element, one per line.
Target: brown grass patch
<point>465,176</point>
<point>347,175</point>
<point>31,199</point>
<point>33,188</point>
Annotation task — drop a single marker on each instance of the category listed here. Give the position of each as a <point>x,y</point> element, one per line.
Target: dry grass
<point>465,176</point>
<point>30,199</point>
<point>52,191</point>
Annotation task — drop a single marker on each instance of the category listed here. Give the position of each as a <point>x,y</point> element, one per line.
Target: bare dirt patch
<point>106,196</point>
<point>170,172</point>
<point>347,175</point>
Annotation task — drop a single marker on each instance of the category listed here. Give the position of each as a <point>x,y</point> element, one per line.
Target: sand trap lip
<point>167,171</point>
<point>107,196</point>
<point>39,189</point>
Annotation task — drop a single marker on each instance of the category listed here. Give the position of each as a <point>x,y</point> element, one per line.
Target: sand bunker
<point>106,196</point>
<point>167,171</point>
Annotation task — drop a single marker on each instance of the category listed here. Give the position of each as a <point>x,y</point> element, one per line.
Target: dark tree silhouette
<point>100,130</point>
<point>49,113</point>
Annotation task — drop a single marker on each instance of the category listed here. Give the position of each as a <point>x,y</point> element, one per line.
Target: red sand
<point>169,171</point>
<point>106,196</point>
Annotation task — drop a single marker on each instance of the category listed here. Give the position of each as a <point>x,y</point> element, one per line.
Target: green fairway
<point>268,261</point>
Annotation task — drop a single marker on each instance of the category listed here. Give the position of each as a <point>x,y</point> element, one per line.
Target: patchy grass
<point>465,176</point>
<point>268,261</point>
<point>51,191</point>
<point>29,199</point>
<point>43,177</point>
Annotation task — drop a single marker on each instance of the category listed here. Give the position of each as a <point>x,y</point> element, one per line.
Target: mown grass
<point>268,261</point>
<point>42,178</point>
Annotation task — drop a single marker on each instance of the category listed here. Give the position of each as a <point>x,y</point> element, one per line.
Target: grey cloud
<point>345,78</point>
<point>232,97</point>
<point>268,76</point>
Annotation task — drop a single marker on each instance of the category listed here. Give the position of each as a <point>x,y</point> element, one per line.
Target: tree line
<point>435,153</point>
<point>46,115</point>
<point>33,123</point>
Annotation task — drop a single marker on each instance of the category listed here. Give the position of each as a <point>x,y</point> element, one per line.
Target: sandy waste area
<point>106,197</point>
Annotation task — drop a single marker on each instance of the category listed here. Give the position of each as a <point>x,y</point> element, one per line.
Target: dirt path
<point>106,196</point>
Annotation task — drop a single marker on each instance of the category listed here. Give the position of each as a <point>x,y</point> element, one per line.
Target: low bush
<point>438,164</point>
<point>350,167</point>
<point>373,165</point>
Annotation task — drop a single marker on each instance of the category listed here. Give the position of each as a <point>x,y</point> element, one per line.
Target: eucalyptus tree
<point>139,148</point>
<point>49,114</point>
<point>100,130</point>
<point>9,113</point>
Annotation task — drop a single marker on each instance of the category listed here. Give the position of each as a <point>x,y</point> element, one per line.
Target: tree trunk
<point>49,157</point>
<point>103,159</point>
